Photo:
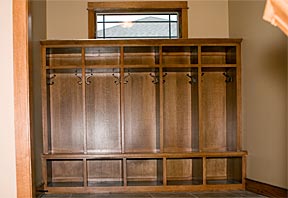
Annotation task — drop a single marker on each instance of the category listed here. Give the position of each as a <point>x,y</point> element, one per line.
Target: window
<point>118,20</point>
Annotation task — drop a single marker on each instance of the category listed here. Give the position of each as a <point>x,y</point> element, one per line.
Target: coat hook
<point>155,77</point>
<point>192,77</point>
<point>79,76</point>
<point>117,81</point>
<point>165,74</point>
<point>50,79</point>
<point>87,81</point>
<point>228,77</point>
<point>126,78</point>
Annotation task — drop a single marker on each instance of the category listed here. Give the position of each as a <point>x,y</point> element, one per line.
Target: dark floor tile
<point>57,196</point>
<point>171,194</point>
<point>212,194</point>
<point>226,194</point>
<point>121,195</point>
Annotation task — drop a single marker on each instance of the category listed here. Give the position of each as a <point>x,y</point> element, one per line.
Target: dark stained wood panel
<point>140,113</point>
<point>64,171</point>
<point>66,114</point>
<point>103,113</point>
<point>177,112</point>
<point>179,169</point>
<point>214,111</point>
<point>104,170</point>
<point>142,170</point>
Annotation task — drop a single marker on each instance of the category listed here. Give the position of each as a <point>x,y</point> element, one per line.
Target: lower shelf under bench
<point>143,172</point>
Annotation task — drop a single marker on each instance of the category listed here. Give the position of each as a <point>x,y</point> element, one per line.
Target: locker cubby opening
<point>218,55</point>
<point>180,107</point>
<point>141,55</point>
<point>63,56</point>
<point>219,109</point>
<point>144,172</point>
<point>65,122</point>
<point>223,170</point>
<point>105,173</point>
<point>64,173</point>
<point>179,55</point>
<point>103,110</point>
<point>102,56</point>
<point>141,110</point>
<point>185,171</point>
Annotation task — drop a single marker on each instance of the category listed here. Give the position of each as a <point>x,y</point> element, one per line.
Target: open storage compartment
<point>102,55</point>
<point>219,109</point>
<point>178,55</point>
<point>188,171</point>
<point>105,172</point>
<point>180,109</point>
<point>64,173</point>
<point>220,55</point>
<point>144,172</point>
<point>141,55</point>
<point>64,111</point>
<point>102,106</point>
<point>224,170</point>
<point>63,56</point>
<point>141,110</point>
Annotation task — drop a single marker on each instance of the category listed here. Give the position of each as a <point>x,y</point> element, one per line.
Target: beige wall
<point>68,19</point>
<point>264,78</point>
<point>7,142</point>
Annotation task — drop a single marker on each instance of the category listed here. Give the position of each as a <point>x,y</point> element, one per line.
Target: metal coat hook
<point>50,79</point>
<point>155,77</point>
<point>192,77</point>
<point>79,76</point>
<point>126,78</point>
<point>118,80</point>
<point>228,77</point>
<point>165,74</point>
<point>87,81</point>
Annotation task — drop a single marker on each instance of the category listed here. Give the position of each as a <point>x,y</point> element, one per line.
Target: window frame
<point>140,6</point>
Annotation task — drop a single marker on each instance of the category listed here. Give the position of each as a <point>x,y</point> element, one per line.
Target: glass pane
<point>99,18</point>
<point>174,30</point>
<point>174,17</point>
<point>138,30</point>
<point>137,26</point>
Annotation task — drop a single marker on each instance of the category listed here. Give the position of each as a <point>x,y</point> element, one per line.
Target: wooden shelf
<point>142,115</point>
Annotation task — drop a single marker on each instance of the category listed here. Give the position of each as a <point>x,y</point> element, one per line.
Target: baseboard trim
<point>265,189</point>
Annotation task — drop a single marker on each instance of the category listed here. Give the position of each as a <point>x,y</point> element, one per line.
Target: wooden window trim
<point>140,6</point>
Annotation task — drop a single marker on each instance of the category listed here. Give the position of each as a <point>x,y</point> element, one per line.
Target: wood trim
<point>138,6</point>
<point>91,24</point>
<point>21,103</point>
<point>184,23</point>
<point>265,189</point>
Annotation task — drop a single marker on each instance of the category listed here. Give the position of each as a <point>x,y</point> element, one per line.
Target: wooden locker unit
<point>142,115</point>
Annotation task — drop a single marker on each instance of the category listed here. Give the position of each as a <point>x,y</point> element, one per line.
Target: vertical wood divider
<point>122,126</point>
<point>204,171</point>
<point>164,171</point>
<point>85,173</point>
<point>200,99</point>
<point>44,103</point>
<point>239,99</point>
<point>124,171</point>
<point>161,103</point>
<point>84,97</point>
<point>244,171</point>
<point>44,172</point>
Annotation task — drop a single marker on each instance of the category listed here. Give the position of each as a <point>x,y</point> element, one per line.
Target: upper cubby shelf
<point>141,53</point>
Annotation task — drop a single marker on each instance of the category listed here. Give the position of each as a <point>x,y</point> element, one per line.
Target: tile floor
<point>159,195</point>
